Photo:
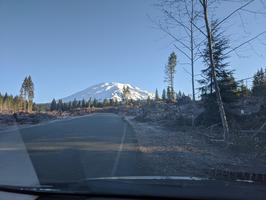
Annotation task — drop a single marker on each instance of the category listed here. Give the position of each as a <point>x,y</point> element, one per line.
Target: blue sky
<point>68,45</point>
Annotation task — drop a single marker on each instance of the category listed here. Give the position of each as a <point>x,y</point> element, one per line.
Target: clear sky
<point>68,45</point>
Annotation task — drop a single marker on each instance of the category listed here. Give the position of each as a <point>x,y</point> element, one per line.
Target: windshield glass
<point>159,89</point>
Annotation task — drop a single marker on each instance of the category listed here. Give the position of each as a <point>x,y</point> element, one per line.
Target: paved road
<point>98,145</point>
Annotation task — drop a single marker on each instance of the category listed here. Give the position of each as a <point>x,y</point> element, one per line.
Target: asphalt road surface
<point>98,145</point>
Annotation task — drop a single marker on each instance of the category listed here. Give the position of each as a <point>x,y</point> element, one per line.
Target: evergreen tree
<point>53,106</point>
<point>88,103</point>
<point>1,103</point>
<point>5,99</point>
<point>23,94</point>
<point>179,95</point>
<point>259,83</point>
<point>105,102</point>
<point>60,105</point>
<point>169,94</point>
<point>83,103</point>
<point>21,104</point>
<point>157,98</point>
<point>116,103</point>
<point>74,104</point>
<point>94,103</point>
<point>111,102</point>
<point>69,105</point>
<point>228,87</point>
<point>212,101</point>
<point>30,91</point>
<point>170,70</point>
<point>64,106</point>
<point>10,103</point>
<point>27,93</point>
<point>164,95</point>
<point>126,94</point>
<point>78,104</point>
<point>99,104</point>
<point>225,78</point>
<point>149,100</point>
<point>243,90</point>
<point>182,99</point>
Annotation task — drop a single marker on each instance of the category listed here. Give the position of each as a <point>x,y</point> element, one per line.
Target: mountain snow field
<point>111,90</point>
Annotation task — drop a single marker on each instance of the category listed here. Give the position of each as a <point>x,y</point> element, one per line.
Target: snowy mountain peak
<point>112,90</point>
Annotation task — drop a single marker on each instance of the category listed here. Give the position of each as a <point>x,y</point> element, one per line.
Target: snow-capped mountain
<point>111,90</point>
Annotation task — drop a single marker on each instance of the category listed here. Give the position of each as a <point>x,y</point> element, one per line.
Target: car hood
<point>151,187</point>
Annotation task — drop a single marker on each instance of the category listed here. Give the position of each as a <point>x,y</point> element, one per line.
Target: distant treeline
<point>83,104</point>
<point>21,103</point>
<point>10,104</point>
<point>77,104</point>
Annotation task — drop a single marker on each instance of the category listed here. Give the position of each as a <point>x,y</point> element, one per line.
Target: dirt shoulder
<point>186,152</point>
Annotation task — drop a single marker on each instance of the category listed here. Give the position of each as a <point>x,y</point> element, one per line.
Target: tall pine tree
<point>164,95</point>
<point>259,83</point>
<point>27,94</point>
<point>157,98</point>
<point>30,90</point>
<point>169,94</point>
<point>225,78</point>
<point>53,105</point>
<point>170,70</point>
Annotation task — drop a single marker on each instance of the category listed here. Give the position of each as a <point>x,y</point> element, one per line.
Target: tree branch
<point>175,38</point>
<point>232,13</point>
<point>182,51</point>
<point>177,21</point>
<point>246,42</point>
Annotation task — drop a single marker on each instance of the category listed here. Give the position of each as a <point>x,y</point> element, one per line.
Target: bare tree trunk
<point>211,89</point>
<point>25,105</point>
<point>30,106</point>
<point>192,50</point>
<point>172,87</point>
<point>192,61</point>
<point>217,89</point>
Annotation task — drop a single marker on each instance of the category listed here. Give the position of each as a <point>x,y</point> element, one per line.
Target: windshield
<point>154,90</point>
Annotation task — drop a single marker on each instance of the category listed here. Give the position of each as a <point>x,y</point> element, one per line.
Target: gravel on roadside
<point>187,153</point>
